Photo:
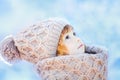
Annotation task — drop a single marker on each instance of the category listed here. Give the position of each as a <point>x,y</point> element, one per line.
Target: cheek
<point>71,44</point>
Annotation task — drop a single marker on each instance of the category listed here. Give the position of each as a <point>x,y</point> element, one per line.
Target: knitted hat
<point>37,42</point>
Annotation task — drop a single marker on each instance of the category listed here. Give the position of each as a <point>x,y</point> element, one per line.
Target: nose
<point>78,40</point>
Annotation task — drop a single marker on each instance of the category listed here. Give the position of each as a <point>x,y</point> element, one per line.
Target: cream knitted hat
<point>36,42</point>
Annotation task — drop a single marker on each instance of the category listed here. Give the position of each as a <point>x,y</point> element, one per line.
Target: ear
<point>8,50</point>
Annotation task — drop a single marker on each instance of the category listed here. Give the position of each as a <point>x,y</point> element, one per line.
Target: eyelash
<point>74,34</point>
<point>67,37</point>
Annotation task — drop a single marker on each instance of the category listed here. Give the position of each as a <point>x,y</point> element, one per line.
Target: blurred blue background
<point>95,21</point>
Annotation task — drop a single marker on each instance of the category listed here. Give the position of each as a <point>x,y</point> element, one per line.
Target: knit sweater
<point>88,66</point>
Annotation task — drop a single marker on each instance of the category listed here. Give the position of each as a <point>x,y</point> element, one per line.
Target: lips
<point>80,46</point>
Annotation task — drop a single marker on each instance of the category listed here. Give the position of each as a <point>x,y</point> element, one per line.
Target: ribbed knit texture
<point>40,40</point>
<point>85,66</point>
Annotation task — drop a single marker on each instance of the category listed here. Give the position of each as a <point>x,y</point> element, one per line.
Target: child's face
<point>73,43</point>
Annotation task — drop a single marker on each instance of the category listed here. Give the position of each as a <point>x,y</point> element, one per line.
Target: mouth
<point>80,46</point>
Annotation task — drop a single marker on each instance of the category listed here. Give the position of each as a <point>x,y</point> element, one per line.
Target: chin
<point>82,50</point>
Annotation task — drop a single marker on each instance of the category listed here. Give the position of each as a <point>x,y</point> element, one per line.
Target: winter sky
<point>97,22</point>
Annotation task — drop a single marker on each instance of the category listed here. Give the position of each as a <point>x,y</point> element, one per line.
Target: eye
<point>67,37</point>
<point>74,33</point>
